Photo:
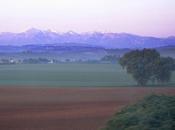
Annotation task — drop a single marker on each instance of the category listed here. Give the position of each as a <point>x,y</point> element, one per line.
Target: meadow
<point>67,75</point>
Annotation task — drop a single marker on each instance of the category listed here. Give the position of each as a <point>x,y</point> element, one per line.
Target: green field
<point>66,75</point>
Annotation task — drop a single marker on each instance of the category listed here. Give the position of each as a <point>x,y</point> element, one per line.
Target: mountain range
<point>97,39</point>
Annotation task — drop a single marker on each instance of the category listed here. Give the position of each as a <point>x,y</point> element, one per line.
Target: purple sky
<point>143,17</point>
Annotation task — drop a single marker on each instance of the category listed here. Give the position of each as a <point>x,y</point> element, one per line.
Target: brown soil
<point>65,108</point>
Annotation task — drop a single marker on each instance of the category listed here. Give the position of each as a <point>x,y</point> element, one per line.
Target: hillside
<point>152,113</point>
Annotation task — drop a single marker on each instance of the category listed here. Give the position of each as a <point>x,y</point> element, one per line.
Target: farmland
<point>67,75</point>
<point>28,108</point>
<point>67,96</point>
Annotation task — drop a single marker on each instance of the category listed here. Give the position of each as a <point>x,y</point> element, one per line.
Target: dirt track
<point>65,108</point>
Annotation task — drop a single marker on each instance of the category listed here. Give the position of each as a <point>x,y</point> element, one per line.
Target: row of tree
<point>147,65</point>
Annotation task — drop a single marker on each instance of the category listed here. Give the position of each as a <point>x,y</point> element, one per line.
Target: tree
<point>147,65</point>
<point>163,69</point>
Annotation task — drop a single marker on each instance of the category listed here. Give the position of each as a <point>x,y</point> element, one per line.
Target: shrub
<point>153,113</point>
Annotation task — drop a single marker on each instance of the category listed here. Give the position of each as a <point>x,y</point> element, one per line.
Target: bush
<point>152,113</point>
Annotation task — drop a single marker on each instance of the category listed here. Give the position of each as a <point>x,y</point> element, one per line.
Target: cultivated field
<point>67,75</point>
<point>24,108</point>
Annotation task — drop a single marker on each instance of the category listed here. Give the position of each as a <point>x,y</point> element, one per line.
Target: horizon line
<point>86,32</point>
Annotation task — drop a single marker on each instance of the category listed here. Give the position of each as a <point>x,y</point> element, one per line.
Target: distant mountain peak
<point>33,31</point>
<point>107,40</point>
<point>71,33</point>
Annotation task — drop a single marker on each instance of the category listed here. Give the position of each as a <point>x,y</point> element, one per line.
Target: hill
<point>61,52</point>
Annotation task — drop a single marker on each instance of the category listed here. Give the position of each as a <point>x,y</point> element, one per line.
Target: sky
<point>143,17</point>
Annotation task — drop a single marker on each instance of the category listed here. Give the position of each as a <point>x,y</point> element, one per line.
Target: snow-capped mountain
<point>96,39</point>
